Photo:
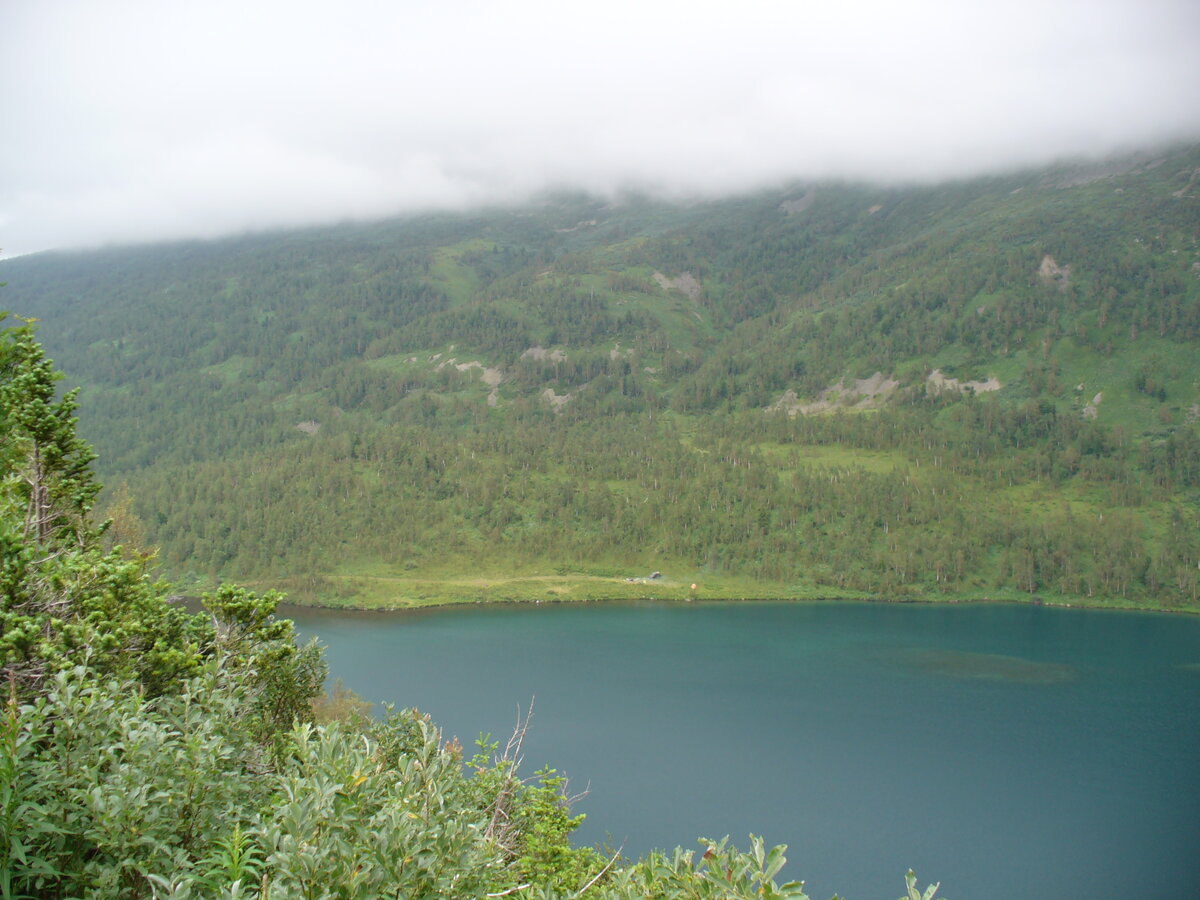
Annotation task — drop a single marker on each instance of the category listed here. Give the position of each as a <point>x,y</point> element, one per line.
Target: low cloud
<point>133,121</point>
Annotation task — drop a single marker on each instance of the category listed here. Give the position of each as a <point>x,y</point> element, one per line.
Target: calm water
<point>1001,750</point>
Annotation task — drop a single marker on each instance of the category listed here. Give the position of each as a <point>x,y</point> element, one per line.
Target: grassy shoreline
<point>391,593</point>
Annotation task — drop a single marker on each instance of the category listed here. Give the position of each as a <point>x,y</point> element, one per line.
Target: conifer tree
<point>63,600</point>
<point>42,448</point>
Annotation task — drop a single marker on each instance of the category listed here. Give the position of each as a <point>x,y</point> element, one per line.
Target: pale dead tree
<point>501,828</point>
<point>39,515</point>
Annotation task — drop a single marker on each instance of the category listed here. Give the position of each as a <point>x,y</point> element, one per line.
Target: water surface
<point>1002,750</point>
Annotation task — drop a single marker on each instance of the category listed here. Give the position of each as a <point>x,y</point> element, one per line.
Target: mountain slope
<point>570,393</point>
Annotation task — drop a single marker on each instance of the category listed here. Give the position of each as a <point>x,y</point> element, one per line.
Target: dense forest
<point>149,752</point>
<point>988,388</point>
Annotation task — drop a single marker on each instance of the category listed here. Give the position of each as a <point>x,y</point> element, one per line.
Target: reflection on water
<point>988,666</point>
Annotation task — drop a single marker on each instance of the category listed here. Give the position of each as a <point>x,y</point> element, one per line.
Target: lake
<point>1001,750</point>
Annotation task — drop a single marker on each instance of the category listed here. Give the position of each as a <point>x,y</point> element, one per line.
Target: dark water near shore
<point>1005,751</point>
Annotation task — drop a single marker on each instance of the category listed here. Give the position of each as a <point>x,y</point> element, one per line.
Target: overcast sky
<point>129,121</point>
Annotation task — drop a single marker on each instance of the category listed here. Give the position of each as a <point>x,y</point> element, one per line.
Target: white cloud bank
<point>131,120</point>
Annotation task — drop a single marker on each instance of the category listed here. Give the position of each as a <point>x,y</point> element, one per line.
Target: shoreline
<point>440,605</point>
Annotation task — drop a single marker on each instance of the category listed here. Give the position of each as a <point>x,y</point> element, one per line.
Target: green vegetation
<point>145,752</point>
<point>982,389</point>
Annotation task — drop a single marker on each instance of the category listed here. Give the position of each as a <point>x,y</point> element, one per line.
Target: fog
<point>133,121</point>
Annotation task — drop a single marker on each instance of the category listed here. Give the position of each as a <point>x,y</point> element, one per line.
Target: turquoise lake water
<point>1002,750</point>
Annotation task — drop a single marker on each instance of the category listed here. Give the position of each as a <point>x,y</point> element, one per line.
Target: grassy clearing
<point>400,363</point>
<point>364,590</point>
<point>376,584</point>
<point>832,456</point>
<point>458,281</point>
<point>232,369</point>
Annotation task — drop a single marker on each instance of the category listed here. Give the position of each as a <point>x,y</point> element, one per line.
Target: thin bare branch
<point>600,874</point>
<point>511,890</point>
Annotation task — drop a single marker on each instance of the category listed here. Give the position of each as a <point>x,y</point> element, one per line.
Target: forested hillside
<point>985,388</point>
